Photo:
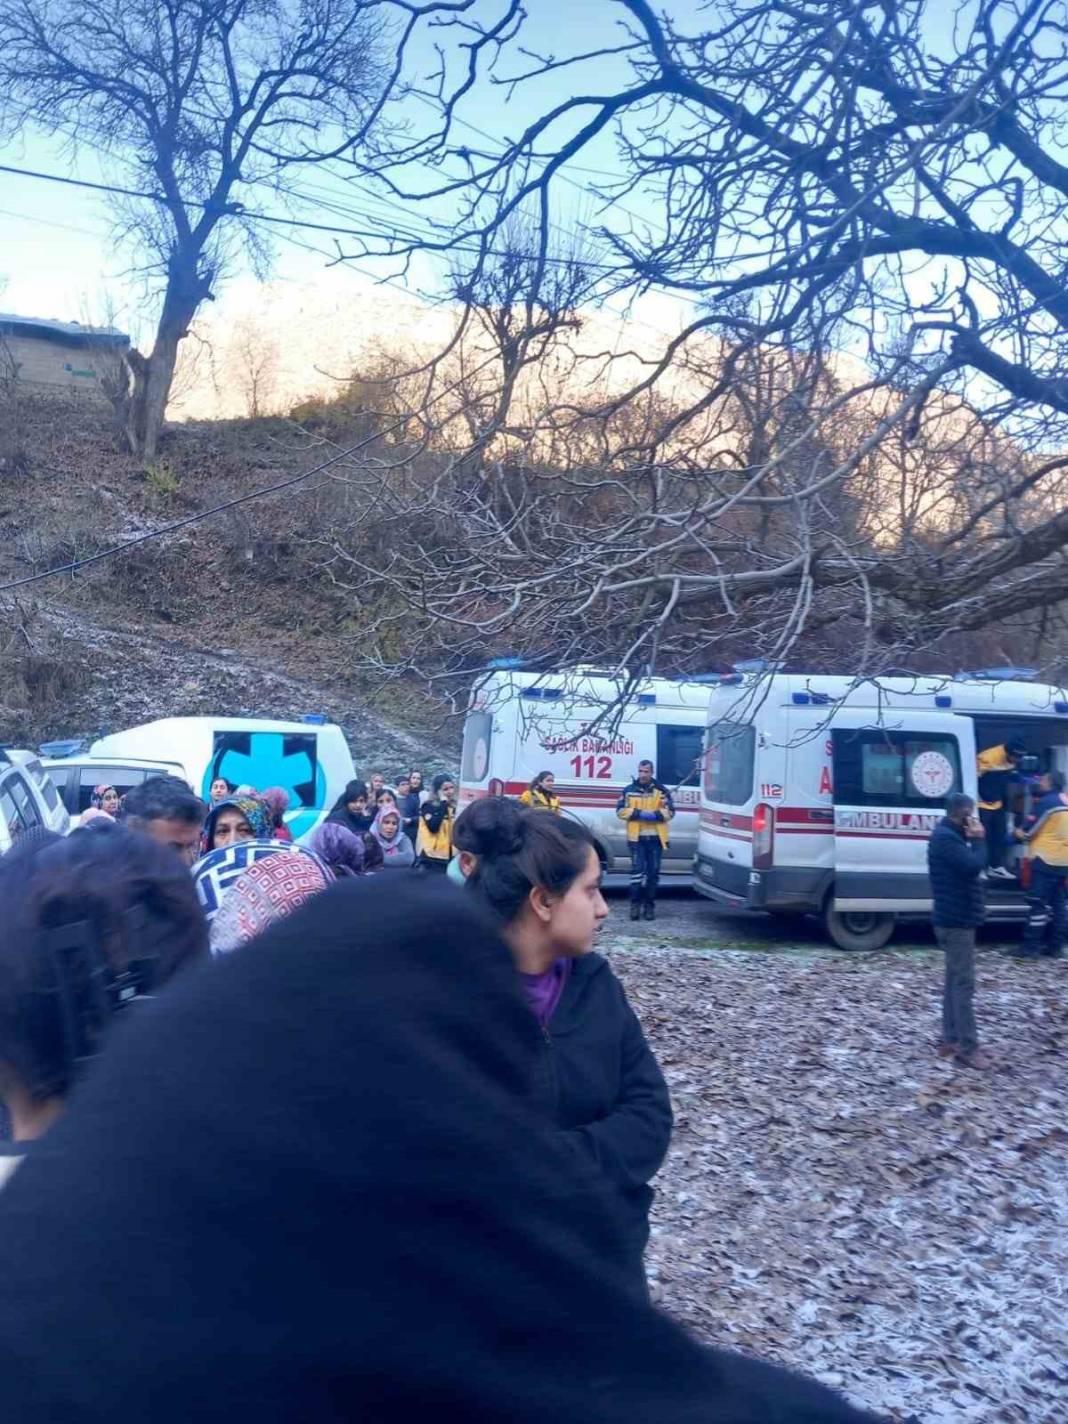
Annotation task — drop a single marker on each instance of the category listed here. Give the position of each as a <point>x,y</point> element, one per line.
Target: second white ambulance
<point>819,793</point>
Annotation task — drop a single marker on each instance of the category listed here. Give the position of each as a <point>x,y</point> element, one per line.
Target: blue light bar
<point>1061,707</point>
<point>314,719</point>
<point>646,699</point>
<point>801,699</point>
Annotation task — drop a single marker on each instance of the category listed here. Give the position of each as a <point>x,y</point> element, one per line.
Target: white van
<point>521,723</point>
<point>311,759</point>
<point>819,793</point>
<point>27,798</point>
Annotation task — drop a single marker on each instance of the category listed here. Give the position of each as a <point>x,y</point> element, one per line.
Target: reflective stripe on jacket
<point>637,798</point>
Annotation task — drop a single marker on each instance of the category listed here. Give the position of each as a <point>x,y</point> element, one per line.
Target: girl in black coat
<point>597,1079</point>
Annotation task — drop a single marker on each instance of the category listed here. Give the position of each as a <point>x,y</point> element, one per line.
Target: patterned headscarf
<point>216,872</point>
<point>342,849</point>
<point>270,889</point>
<point>254,809</point>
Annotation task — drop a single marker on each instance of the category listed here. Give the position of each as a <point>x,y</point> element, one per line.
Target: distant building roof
<point>70,332</point>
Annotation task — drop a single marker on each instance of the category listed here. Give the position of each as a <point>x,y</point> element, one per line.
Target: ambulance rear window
<point>729,761</point>
<point>478,737</point>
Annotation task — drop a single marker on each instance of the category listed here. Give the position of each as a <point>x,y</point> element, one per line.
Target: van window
<point>729,763</point>
<point>878,767</point>
<point>47,786</point>
<point>17,806</point>
<point>478,737</point>
<point>678,755</point>
<point>122,778</point>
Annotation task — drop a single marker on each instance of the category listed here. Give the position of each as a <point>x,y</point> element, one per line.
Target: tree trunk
<point>186,289</point>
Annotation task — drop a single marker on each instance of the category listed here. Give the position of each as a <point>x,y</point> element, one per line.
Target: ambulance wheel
<point>857,929</point>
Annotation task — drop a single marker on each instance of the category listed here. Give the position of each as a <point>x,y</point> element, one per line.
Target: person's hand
<point>1019,835</point>
<point>648,815</point>
<point>974,829</point>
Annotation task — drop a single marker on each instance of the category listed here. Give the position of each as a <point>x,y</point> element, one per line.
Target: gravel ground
<point>838,1199</point>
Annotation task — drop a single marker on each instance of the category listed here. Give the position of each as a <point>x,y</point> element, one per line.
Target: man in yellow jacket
<point>646,807</point>
<point>1047,845</point>
<point>994,767</point>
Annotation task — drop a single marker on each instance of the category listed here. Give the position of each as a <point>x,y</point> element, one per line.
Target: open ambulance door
<point>891,774</point>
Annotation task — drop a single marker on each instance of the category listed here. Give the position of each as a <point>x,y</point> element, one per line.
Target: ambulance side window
<point>874,767</point>
<point>678,755</point>
<point>729,763</point>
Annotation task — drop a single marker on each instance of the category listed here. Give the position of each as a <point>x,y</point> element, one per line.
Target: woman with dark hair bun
<point>599,1081</point>
<point>92,923</point>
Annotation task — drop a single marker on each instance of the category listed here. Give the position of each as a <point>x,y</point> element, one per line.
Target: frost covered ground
<point>838,1199</point>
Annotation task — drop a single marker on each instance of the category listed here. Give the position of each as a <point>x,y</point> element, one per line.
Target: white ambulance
<point>521,723</point>
<point>819,793</point>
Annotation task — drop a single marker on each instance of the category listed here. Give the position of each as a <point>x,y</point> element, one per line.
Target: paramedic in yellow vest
<point>994,767</point>
<point>1046,839</point>
<point>434,850</point>
<point>646,807</point>
<point>541,793</point>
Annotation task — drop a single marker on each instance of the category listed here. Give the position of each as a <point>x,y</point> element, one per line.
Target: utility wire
<point>76,564</point>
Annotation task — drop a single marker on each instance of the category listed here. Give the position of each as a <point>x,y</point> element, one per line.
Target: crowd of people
<point>337,1149</point>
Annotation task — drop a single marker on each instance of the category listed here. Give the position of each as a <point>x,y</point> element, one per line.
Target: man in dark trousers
<point>956,860</point>
<point>1046,836</point>
<point>646,807</point>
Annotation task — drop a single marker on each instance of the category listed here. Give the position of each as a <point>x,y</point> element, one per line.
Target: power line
<point>77,564</point>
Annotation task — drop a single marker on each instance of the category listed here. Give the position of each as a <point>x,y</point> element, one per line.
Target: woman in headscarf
<point>271,888</point>
<point>397,850</point>
<point>601,1084</point>
<point>215,874</point>
<point>310,1188</point>
<point>350,809</point>
<point>277,799</point>
<point>341,849</point>
<point>241,817</point>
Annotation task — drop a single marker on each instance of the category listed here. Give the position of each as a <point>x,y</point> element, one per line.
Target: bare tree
<point>854,446</point>
<point>194,101</point>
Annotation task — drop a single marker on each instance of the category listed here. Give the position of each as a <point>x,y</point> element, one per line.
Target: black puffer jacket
<point>600,1082</point>
<point>955,865</point>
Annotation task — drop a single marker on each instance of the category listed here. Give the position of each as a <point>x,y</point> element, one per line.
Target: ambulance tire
<point>857,930</point>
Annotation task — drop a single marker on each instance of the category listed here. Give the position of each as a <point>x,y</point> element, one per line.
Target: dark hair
<point>374,857</point>
<point>646,762</point>
<point>536,783</point>
<point>1057,780</point>
<point>164,798</point>
<point>518,849</point>
<point>231,786</point>
<point>415,772</point>
<point>354,791</point>
<point>440,780</point>
<point>385,791</point>
<point>958,801</point>
<point>1016,749</point>
<point>134,918</point>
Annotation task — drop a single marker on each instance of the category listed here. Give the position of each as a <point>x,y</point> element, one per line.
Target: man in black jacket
<point>956,860</point>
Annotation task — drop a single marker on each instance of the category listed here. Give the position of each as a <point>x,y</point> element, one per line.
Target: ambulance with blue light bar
<point>591,731</point>
<point>819,793</point>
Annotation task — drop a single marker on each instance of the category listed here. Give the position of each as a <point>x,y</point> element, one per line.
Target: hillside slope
<point>230,615</point>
